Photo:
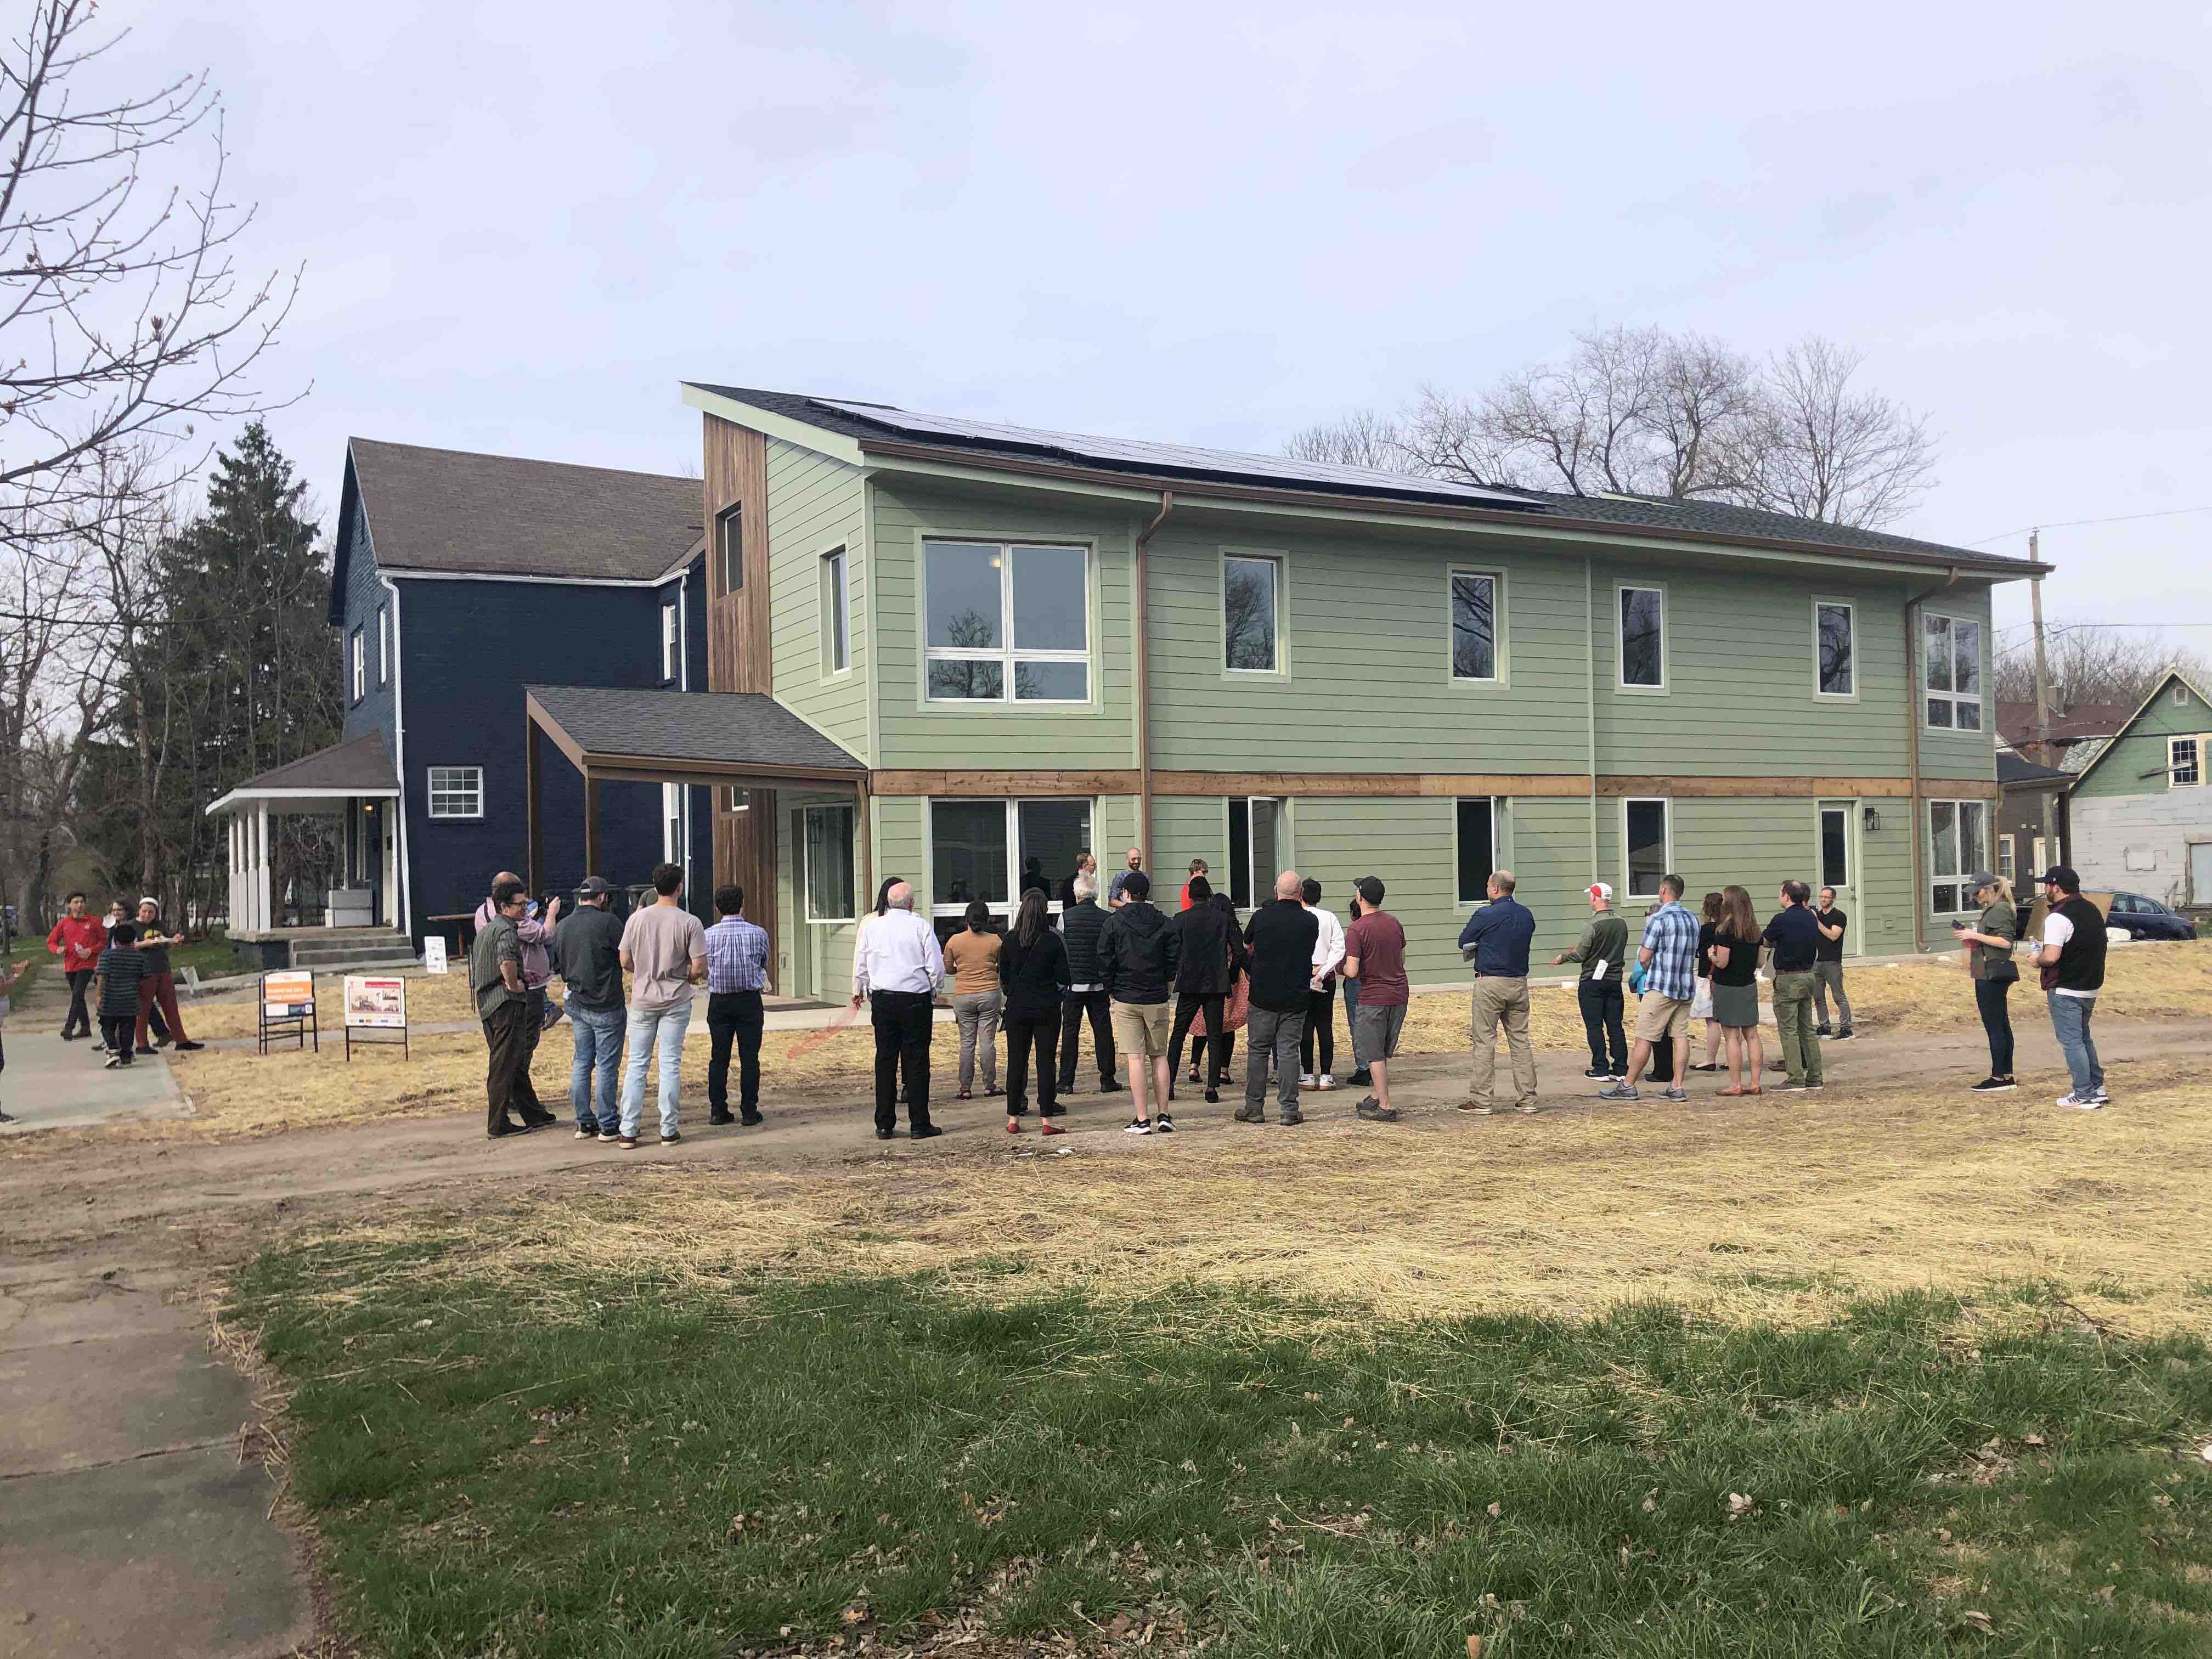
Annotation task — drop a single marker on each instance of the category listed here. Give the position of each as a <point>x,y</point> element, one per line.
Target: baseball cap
<point>592,886</point>
<point>2063,875</point>
<point>1600,890</point>
<point>1980,879</point>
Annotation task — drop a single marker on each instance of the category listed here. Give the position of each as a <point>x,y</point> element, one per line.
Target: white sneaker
<point>2081,1102</point>
<point>1305,1080</point>
<point>1324,1081</point>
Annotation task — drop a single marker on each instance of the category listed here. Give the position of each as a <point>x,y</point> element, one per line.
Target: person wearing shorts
<point>1374,959</point>
<point>1668,955</point>
<point>1139,955</point>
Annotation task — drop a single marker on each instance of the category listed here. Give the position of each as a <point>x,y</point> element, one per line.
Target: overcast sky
<point>522,225</point>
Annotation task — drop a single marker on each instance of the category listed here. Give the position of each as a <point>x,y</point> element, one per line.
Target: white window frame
<point>2042,855</point>
<point>1627,877</point>
<point>806,860</point>
<point>1620,652</point>
<point>1957,877</point>
<point>383,646</point>
<point>732,514</point>
<point>834,584</point>
<point>2180,696</point>
<point>670,640</point>
<point>1928,694</point>
<point>451,780</point>
<point>1006,655</point>
<point>672,822</point>
<point>2007,857</point>
<point>1279,633</point>
<point>737,798</point>
<point>1260,885</point>
<point>1496,846</point>
<point>359,667</point>
<point>1850,610</point>
<point>1496,579</point>
<point>1013,804</point>
<point>1820,811</point>
<point>2195,764</point>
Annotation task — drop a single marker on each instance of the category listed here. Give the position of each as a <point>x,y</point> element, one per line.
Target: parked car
<point>2140,917</point>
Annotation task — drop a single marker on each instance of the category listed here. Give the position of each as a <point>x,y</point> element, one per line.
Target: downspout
<point>1590,683</point>
<point>1914,690</point>
<point>1143,670</point>
<point>399,755</point>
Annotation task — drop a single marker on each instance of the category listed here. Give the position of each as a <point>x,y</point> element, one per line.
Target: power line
<point>2070,523</point>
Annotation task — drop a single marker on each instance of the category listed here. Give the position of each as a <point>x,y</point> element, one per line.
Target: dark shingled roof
<point>739,728</point>
<point>447,509</point>
<point>2013,768</point>
<point>882,421</point>
<point>359,763</point>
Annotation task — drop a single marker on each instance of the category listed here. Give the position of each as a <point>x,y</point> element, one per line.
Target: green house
<point>1032,643</point>
<point>2141,811</point>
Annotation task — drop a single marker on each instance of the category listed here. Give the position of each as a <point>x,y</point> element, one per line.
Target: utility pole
<point>2043,705</point>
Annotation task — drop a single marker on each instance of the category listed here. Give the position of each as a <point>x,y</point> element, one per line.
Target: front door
<point>1835,853</point>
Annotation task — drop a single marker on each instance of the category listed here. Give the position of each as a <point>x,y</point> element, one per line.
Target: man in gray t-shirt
<point>664,948</point>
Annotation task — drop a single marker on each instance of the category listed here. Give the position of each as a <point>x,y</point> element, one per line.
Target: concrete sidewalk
<point>52,1084</point>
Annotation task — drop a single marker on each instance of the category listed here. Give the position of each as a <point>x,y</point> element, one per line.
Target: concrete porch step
<point>309,953</point>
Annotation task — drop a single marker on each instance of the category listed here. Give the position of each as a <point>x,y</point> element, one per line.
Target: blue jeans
<point>646,1031</point>
<point>2069,1023</point>
<point>597,1034</point>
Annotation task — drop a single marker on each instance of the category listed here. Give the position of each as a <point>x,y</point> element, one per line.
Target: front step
<point>379,951</point>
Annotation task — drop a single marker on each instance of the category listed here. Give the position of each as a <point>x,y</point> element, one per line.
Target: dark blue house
<point>457,580</point>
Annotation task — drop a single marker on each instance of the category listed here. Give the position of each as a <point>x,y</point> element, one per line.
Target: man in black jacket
<point>2072,962</point>
<point>1080,924</point>
<point>1282,937</point>
<point>1137,955</point>
<point>1212,956</point>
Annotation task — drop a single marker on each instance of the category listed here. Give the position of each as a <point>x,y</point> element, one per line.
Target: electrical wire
<point>2070,523</point>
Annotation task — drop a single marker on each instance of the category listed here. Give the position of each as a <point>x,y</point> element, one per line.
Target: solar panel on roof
<point>1183,457</point>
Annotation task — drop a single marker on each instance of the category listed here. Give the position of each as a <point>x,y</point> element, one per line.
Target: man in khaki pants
<point>1496,938</point>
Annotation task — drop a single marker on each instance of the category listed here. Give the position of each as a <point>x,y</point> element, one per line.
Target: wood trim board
<point>1124,781</point>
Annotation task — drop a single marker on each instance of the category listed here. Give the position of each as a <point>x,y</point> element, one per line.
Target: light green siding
<point>917,732</point>
<point>814,958</point>
<point>2134,764</point>
<point>814,505</point>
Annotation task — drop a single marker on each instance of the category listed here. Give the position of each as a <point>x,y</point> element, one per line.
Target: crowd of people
<point>118,970</point>
<point>1147,983</point>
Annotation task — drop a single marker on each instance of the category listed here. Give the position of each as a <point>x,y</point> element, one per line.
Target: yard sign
<point>288,1008</point>
<point>375,1003</point>
<point>433,953</point>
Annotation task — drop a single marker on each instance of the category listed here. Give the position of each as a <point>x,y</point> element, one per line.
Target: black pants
<point>902,1023</point>
<point>1073,1010</point>
<point>80,981</point>
<point>1189,1004</point>
<point>510,1057</point>
<point>1320,1031</point>
<point>120,1031</point>
<point>1025,1032</point>
<point>1600,1003</point>
<point>531,1028</point>
<point>733,1014</point>
<point>1989,996</point>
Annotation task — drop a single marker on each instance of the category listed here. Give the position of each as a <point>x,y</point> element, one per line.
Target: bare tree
<point>1820,448</point>
<point>123,317</point>
<point>2090,665</point>
<point>1363,438</point>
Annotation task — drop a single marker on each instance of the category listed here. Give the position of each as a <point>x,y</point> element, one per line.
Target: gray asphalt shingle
<point>742,728</point>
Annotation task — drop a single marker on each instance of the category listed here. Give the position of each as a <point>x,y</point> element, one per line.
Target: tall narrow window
<point>2182,757</point>
<point>672,822</point>
<point>1475,625</point>
<point>1007,622</point>
<point>835,658</point>
<point>359,667</point>
<point>1833,644</point>
<point>1251,613</point>
<point>1643,637</point>
<point>1835,847</point>
<point>669,643</point>
<point>829,863</point>
<point>383,645</point>
<point>2005,867</point>
<point>730,546</point>
<point>1952,660</point>
<point>1958,843</point>
<point>1646,829</point>
<point>1478,847</point>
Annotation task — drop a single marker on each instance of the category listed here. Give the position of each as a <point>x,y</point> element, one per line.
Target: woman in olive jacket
<point>1212,956</point>
<point>1032,980</point>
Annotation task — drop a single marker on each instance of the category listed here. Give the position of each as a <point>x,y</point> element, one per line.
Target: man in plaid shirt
<point>1669,958</point>
<point>737,973</point>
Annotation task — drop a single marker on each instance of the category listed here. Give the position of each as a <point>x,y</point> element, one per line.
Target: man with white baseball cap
<point>1600,950</point>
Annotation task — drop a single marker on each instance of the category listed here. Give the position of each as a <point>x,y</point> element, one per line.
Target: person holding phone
<point>1989,945</point>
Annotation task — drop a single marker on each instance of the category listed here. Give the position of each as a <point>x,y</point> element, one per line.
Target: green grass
<point>688,1478</point>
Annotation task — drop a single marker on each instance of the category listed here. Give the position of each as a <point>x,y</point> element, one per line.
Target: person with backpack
<point>2072,962</point>
<point>1989,945</point>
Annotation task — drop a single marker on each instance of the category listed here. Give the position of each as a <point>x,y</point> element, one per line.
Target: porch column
<point>533,774</point>
<point>264,911</point>
<point>591,825</point>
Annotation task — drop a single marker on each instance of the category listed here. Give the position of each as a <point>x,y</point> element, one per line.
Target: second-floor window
<point>1007,622</point>
<point>2184,762</point>
<point>359,667</point>
<point>1251,613</point>
<point>730,546</point>
<point>1952,650</point>
<point>837,647</point>
<point>670,644</point>
<point>1473,625</point>
<point>384,644</point>
<point>1644,638</point>
<point>1835,669</point>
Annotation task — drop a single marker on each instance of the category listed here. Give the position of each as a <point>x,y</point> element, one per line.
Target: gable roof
<point>2016,722</point>
<point>358,766</point>
<point>2165,683</point>
<point>452,511</point>
<point>883,425</point>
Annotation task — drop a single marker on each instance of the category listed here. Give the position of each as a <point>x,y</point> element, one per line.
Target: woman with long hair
<point>1230,1021</point>
<point>1032,980</point>
<point>1701,1001</point>
<point>971,956</point>
<point>1989,945</point>
<point>1732,943</point>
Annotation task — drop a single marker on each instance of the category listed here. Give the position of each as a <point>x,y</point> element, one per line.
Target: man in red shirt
<point>1374,955</point>
<point>77,939</point>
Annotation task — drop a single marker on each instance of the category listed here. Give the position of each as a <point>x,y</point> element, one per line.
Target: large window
<point>988,849</point>
<point>2184,765</point>
<point>1644,638</point>
<point>383,645</point>
<point>836,656</point>
<point>1477,842</point>
<point>1475,625</point>
<point>456,791</point>
<point>1251,613</point>
<point>730,546</point>
<point>1646,830</point>
<point>1958,846</point>
<point>1255,849</point>
<point>1952,654</point>
<point>1835,847</point>
<point>829,863</point>
<point>669,642</point>
<point>1834,643</point>
<point>1008,621</point>
<point>359,667</point>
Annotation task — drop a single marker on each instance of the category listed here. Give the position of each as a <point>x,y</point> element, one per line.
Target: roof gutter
<point>1912,695</point>
<point>1143,673</point>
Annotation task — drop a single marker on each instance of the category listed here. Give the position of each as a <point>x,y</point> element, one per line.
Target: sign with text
<point>375,1002</point>
<point>433,954</point>
<point>288,1007</point>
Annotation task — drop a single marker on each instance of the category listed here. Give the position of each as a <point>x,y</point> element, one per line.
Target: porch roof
<point>615,734</point>
<point>322,781</point>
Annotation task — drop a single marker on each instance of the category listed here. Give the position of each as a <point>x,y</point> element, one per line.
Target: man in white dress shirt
<point>898,968</point>
<point>1321,1000</point>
